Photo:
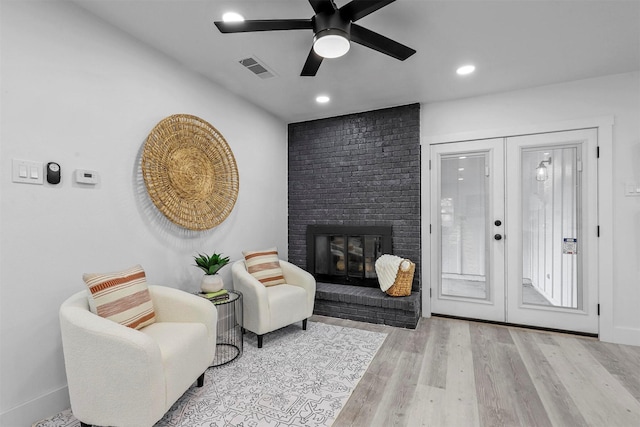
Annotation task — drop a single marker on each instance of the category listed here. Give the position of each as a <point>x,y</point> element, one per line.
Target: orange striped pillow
<point>122,297</point>
<point>264,266</point>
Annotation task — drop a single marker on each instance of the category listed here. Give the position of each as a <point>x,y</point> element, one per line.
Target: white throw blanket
<point>387,269</point>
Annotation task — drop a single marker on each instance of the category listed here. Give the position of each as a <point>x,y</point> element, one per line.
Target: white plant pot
<point>211,283</point>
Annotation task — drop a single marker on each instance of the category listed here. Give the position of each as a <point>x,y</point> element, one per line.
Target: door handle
<point>498,237</point>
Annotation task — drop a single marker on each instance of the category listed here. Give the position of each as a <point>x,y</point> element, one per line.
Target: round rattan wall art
<point>190,172</point>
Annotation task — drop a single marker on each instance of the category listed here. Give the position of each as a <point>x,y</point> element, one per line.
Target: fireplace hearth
<point>346,254</point>
<point>342,259</point>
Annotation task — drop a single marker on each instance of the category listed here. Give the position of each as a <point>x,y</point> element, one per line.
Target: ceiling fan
<point>333,29</point>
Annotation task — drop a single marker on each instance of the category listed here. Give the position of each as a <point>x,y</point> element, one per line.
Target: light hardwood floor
<point>451,372</point>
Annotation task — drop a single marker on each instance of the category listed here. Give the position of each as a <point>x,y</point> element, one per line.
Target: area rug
<point>299,378</point>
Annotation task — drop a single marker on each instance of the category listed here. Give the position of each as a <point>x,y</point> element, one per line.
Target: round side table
<point>229,338</point>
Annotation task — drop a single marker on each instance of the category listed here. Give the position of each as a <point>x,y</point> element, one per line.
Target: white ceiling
<point>514,44</point>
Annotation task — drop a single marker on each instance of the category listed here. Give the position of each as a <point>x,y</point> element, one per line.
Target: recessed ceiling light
<point>322,99</point>
<point>465,69</point>
<point>232,17</point>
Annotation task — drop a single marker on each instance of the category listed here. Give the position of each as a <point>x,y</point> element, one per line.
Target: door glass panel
<point>550,227</point>
<point>463,219</point>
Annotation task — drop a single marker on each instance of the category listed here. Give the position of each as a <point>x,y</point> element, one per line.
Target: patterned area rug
<point>298,378</point>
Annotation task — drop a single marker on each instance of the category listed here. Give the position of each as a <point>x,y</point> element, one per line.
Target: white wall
<point>85,95</point>
<point>616,96</point>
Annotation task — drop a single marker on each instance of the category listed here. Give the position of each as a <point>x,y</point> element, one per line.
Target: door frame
<point>604,126</point>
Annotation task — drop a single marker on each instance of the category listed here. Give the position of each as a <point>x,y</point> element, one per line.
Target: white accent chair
<point>267,308</point>
<point>119,376</point>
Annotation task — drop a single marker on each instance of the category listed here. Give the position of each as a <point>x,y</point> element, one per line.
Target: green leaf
<point>210,264</point>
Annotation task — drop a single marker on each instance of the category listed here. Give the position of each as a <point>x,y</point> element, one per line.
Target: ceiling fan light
<point>331,43</point>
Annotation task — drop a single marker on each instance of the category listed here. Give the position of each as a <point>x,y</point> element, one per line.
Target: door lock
<point>498,223</point>
<point>498,237</point>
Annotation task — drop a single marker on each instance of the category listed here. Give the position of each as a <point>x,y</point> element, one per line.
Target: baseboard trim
<point>38,409</point>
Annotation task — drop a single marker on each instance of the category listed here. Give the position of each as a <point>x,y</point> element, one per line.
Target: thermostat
<point>53,173</point>
<point>84,176</point>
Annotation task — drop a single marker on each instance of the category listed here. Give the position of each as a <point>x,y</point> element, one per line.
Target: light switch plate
<point>27,172</point>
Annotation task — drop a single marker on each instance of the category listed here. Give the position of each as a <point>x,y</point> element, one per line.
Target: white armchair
<point>267,308</point>
<point>119,376</point>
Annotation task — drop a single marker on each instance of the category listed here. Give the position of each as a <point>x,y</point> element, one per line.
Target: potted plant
<point>211,281</point>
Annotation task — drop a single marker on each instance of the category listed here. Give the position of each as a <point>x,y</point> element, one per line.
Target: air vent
<point>257,68</point>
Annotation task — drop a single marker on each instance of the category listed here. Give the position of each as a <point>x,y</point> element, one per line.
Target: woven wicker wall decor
<point>190,172</point>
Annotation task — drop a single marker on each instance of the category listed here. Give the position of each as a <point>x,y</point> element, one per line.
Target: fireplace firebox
<point>345,254</point>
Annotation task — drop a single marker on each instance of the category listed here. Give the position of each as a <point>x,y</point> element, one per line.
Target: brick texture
<point>367,305</point>
<point>358,169</point>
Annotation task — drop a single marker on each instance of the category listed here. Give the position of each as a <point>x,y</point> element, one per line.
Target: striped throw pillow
<point>264,266</point>
<point>122,296</point>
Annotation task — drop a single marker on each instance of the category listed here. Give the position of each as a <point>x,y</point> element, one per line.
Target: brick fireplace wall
<point>358,169</point>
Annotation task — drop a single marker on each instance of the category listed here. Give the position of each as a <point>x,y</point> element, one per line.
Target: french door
<point>513,230</point>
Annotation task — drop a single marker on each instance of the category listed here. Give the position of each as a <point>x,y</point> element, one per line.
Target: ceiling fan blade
<point>322,5</point>
<point>358,9</point>
<point>312,64</point>
<point>264,25</point>
<point>380,43</point>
